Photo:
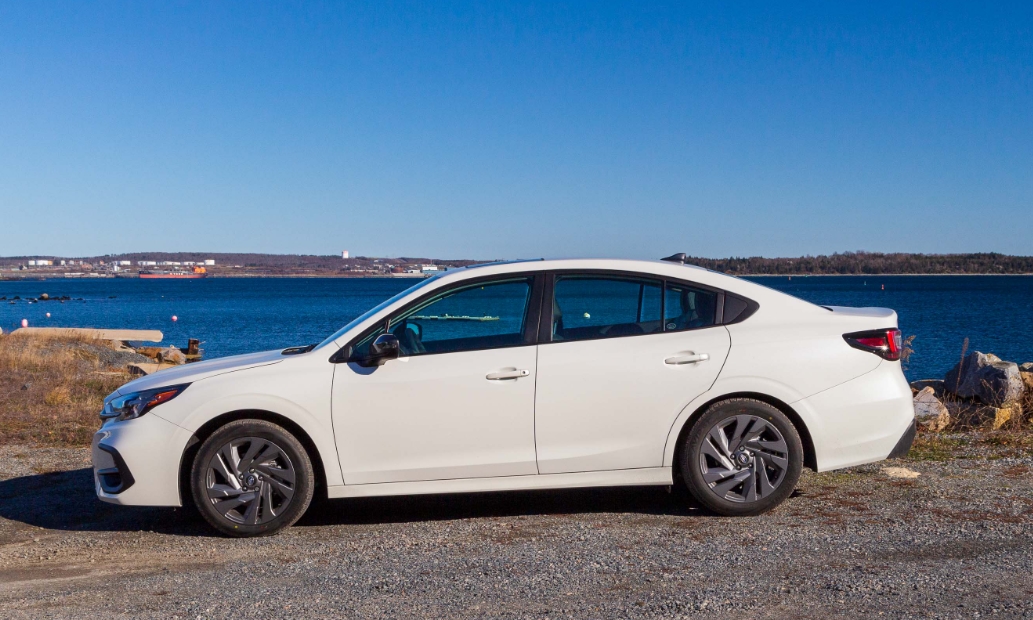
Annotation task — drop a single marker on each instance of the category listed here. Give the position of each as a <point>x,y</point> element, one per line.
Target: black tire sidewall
<point>717,412</point>
<point>304,477</point>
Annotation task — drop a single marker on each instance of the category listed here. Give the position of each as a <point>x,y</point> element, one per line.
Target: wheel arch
<point>809,457</point>
<point>217,422</point>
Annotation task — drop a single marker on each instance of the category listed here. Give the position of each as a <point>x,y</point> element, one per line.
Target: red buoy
<point>174,318</point>
<point>25,322</point>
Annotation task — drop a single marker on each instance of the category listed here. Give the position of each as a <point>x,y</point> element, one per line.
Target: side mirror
<point>385,347</point>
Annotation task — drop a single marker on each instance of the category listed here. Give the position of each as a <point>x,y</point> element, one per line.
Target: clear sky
<point>504,130</point>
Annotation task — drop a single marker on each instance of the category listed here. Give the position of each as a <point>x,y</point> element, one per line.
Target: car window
<point>686,307</point>
<point>375,309</point>
<point>588,307</point>
<point>478,316</point>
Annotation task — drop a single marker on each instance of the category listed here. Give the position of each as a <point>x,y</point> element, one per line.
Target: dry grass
<point>51,389</point>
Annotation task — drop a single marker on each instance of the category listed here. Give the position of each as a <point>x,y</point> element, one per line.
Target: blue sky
<point>504,130</point>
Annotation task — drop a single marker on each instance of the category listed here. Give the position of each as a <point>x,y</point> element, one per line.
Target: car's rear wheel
<point>251,478</point>
<point>742,457</point>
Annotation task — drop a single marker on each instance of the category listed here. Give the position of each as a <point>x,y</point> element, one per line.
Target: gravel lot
<point>956,541</point>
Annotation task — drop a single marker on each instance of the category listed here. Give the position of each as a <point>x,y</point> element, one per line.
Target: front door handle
<point>503,375</point>
<point>688,358</point>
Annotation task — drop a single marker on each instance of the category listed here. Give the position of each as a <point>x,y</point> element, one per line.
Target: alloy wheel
<point>250,481</point>
<point>744,458</point>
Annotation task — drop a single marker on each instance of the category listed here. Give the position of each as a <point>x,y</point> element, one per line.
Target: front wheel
<point>742,457</point>
<point>252,478</point>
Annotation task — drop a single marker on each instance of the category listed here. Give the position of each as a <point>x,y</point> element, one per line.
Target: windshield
<point>375,309</point>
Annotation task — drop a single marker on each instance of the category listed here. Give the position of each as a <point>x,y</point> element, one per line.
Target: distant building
<point>146,263</point>
<point>208,262</point>
<point>125,263</point>
<point>344,254</point>
<point>429,268</point>
<point>32,263</point>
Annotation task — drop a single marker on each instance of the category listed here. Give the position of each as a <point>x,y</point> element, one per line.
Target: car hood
<point>189,373</point>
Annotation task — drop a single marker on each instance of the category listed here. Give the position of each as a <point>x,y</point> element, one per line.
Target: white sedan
<point>523,375</point>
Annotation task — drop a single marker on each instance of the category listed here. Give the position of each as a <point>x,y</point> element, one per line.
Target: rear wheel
<point>252,478</point>
<point>742,457</point>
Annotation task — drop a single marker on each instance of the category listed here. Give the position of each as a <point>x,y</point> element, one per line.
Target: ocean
<point>241,315</point>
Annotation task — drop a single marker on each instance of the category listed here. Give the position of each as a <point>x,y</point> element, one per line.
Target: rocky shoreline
<point>981,390</point>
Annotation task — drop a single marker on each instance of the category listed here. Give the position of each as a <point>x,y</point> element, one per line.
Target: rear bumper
<point>903,446</point>
<point>867,419</point>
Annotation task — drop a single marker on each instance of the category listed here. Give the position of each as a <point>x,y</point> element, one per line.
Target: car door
<point>619,358</point>
<point>458,402</point>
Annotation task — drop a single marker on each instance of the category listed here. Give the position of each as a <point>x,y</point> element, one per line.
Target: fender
<point>208,404</point>
<point>732,386</point>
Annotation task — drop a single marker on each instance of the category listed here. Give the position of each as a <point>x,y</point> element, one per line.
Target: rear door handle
<point>503,375</point>
<point>688,358</point>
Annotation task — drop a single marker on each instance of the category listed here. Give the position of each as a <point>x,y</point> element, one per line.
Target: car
<point>523,375</point>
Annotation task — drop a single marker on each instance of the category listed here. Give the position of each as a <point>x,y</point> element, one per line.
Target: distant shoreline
<point>332,276</point>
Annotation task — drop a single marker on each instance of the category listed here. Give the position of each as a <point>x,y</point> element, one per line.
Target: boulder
<point>172,355</point>
<point>929,411</point>
<point>1027,367</point>
<point>1027,378</point>
<point>987,378</point>
<point>935,384</point>
<point>1005,413</point>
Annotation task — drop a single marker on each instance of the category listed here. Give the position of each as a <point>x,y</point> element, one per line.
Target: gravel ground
<point>955,541</point>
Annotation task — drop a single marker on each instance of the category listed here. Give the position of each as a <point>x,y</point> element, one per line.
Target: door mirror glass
<point>384,348</point>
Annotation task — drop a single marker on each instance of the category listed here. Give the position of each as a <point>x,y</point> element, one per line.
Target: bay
<point>241,315</point>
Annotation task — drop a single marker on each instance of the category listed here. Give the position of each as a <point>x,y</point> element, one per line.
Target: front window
<point>484,315</point>
<point>374,310</point>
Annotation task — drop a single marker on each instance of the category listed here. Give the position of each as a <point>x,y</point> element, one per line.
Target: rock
<point>1005,413</point>
<point>900,472</point>
<point>935,384</point>
<point>172,355</point>
<point>1027,378</point>
<point>1027,367</point>
<point>987,378</point>
<point>44,297</point>
<point>929,411</point>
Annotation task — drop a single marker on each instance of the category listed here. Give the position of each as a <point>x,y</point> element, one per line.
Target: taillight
<point>886,343</point>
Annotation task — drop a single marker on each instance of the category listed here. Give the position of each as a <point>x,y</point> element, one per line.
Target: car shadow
<point>414,508</point>
<point>65,500</point>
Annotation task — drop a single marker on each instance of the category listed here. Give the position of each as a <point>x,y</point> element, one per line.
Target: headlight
<point>136,404</point>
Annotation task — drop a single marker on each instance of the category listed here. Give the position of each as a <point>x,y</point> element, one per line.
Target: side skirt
<point>625,477</point>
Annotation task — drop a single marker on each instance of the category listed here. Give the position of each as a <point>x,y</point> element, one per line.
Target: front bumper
<point>136,462</point>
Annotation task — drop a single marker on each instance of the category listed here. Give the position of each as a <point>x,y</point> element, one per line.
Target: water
<point>240,315</point>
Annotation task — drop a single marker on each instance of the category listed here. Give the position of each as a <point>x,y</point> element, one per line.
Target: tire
<point>273,479</point>
<point>737,475</point>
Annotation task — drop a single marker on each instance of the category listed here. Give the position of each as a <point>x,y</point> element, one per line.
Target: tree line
<point>872,263</point>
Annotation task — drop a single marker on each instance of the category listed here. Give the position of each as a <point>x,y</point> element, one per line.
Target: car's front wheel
<point>742,457</point>
<point>252,478</point>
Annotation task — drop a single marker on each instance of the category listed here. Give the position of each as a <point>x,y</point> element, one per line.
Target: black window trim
<point>532,314</point>
<point>545,317</point>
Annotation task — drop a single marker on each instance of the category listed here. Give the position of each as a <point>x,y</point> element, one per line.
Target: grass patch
<point>935,447</point>
<point>51,389</point>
